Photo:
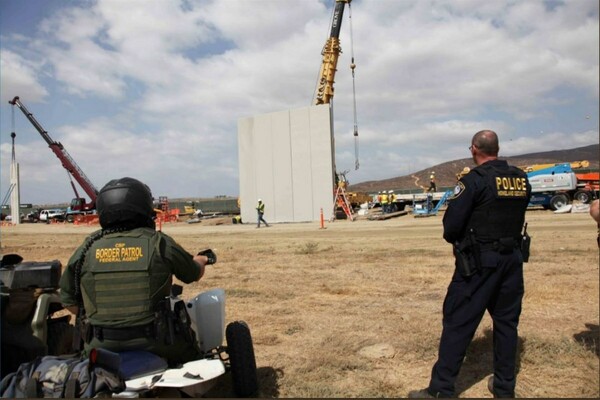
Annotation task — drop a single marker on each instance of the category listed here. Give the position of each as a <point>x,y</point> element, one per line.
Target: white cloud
<point>429,75</point>
<point>253,25</point>
<point>19,75</point>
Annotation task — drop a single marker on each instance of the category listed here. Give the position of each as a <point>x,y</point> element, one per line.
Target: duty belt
<point>504,245</point>
<point>135,332</point>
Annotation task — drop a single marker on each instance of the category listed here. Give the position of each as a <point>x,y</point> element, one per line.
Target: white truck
<point>557,185</point>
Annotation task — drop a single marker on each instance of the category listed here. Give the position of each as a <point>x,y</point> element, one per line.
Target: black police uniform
<point>491,201</point>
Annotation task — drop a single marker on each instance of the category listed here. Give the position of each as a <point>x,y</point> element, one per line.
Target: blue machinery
<point>426,208</point>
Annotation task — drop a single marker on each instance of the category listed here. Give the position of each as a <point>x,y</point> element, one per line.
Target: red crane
<point>78,204</point>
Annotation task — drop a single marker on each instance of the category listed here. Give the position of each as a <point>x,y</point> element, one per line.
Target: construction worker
<point>432,185</point>
<point>117,281</point>
<point>462,173</point>
<point>260,209</point>
<point>384,202</point>
<point>483,222</point>
<point>391,200</point>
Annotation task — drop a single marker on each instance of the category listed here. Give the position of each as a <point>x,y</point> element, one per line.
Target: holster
<point>468,255</point>
<point>183,323</point>
<point>164,321</point>
<point>174,323</point>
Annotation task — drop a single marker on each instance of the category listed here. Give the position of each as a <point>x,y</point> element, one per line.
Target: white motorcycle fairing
<point>190,373</point>
<point>207,314</point>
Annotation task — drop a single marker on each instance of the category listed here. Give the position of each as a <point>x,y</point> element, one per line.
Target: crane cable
<point>352,67</point>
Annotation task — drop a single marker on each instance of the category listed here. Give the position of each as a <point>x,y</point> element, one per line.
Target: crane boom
<point>331,52</point>
<point>66,160</point>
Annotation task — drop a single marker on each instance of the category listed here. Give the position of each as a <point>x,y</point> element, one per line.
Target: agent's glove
<point>212,257</point>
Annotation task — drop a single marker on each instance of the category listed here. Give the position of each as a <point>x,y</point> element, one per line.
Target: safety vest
<point>503,215</point>
<point>261,208</point>
<point>384,199</point>
<point>122,280</point>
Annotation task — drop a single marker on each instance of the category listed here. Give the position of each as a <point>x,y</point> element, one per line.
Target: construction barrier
<point>86,219</point>
<point>169,216</point>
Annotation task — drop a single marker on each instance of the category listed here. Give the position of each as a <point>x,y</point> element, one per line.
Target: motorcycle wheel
<point>241,358</point>
<point>60,336</point>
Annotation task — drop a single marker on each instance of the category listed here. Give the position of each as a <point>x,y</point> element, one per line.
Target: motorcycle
<point>147,375</point>
<point>144,374</point>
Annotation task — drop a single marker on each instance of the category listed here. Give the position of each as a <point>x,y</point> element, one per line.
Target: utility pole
<point>15,196</point>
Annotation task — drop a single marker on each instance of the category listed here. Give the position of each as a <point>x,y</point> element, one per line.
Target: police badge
<point>458,189</point>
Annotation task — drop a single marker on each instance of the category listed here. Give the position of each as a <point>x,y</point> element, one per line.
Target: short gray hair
<point>487,142</point>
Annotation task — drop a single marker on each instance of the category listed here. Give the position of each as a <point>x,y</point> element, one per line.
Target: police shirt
<point>493,193</point>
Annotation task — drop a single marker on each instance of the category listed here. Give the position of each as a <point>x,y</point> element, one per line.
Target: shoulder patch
<point>458,190</point>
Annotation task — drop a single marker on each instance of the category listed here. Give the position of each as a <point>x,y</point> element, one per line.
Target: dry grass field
<point>354,310</point>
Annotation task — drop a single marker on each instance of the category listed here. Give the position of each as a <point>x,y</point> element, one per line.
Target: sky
<point>154,89</point>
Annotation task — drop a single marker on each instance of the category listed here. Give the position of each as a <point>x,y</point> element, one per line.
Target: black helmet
<point>126,203</point>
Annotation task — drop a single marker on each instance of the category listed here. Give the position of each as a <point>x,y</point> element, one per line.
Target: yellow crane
<point>331,52</point>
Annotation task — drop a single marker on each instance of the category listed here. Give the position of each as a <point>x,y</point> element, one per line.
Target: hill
<point>446,172</point>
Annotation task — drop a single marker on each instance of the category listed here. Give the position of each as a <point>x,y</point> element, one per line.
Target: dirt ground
<point>354,310</point>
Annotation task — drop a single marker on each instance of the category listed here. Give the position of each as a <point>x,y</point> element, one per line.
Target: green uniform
<point>123,278</point>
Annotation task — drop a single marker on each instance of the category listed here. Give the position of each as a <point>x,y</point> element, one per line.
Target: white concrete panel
<point>301,164</point>
<point>322,160</point>
<point>286,159</point>
<point>283,203</point>
<point>246,165</point>
<point>263,161</point>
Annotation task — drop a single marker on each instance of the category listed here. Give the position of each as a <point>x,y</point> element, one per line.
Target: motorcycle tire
<point>241,358</point>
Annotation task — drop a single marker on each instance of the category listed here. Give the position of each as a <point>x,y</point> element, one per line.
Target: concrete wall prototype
<point>286,159</point>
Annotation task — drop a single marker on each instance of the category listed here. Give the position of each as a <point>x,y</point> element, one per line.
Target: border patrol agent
<point>483,222</point>
<point>120,276</point>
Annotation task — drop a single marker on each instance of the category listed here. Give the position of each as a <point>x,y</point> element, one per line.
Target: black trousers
<point>498,288</point>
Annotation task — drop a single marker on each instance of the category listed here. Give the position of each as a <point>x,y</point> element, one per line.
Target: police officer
<point>484,220</point>
<point>121,275</point>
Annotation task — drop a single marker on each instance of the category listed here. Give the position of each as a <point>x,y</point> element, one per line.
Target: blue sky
<point>154,89</point>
